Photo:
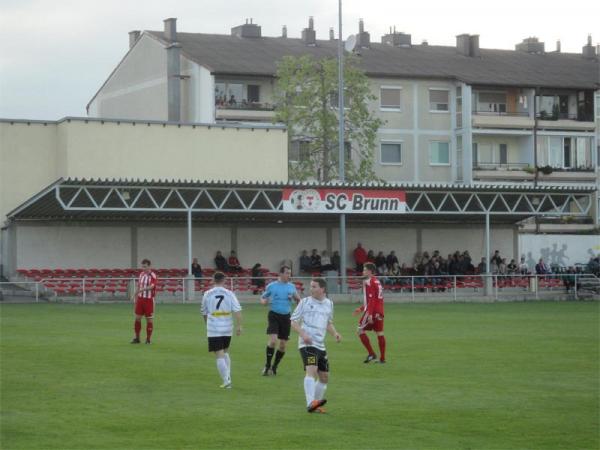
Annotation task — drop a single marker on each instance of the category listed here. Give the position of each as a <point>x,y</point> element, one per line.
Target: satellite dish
<point>350,43</point>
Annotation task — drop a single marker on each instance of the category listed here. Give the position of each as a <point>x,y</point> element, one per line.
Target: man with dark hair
<point>372,317</point>
<point>218,306</point>
<point>312,319</point>
<point>280,292</point>
<point>144,301</point>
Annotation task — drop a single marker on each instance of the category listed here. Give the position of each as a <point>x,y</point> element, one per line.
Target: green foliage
<point>493,376</point>
<point>306,98</point>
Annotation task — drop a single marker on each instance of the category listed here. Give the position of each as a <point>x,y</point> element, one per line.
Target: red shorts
<point>376,325</point>
<point>144,307</point>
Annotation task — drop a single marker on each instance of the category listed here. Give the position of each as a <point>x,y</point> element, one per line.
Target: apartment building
<point>460,114</point>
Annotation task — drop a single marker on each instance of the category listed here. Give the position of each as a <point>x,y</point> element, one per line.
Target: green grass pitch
<point>459,376</point>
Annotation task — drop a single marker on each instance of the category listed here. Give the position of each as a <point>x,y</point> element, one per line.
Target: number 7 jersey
<point>218,305</point>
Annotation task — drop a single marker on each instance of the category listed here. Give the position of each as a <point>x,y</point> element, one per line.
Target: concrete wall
<point>124,245</point>
<point>34,155</point>
<point>565,250</point>
<point>137,89</point>
<point>28,161</point>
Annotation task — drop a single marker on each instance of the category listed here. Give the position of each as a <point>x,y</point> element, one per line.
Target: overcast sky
<point>57,53</point>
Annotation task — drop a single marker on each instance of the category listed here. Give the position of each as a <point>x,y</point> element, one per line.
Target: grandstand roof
<point>232,201</point>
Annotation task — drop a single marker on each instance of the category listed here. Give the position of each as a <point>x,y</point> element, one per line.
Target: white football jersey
<point>218,305</point>
<point>314,315</point>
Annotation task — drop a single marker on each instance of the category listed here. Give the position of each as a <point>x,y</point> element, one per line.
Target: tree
<point>307,102</point>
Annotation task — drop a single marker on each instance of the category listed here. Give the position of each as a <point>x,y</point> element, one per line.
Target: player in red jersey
<point>144,301</point>
<point>372,317</point>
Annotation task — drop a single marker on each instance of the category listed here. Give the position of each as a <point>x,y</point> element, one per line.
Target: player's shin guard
<point>137,327</point>
<point>149,329</point>
<point>223,370</point>
<point>320,389</point>
<point>309,389</point>
<point>270,352</point>
<point>365,341</point>
<point>278,357</point>
<point>381,341</point>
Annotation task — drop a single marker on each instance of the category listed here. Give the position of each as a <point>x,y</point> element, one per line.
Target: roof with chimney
<point>258,56</point>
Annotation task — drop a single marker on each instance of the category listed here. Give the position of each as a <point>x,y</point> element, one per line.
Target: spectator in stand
<point>304,261</point>
<point>593,265</point>
<point>315,261</point>
<point>436,280</point>
<point>360,257</point>
<point>496,258</point>
<point>196,269</point>
<point>468,262</point>
<point>391,259</point>
<point>481,268</point>
<point>541,268</point>
<point>326,264</point>
<point>221,262</point>
<point>425,259</point>
<point>392,274</point>
<point>523,267</point>
<point>371,256</point>
<point>335,261</point>
<point>380,264</point>
<point>234,262</point>
<point>512,268</point>
<point>502,268</point>
<point>569,279</point>
<point>258,280</point>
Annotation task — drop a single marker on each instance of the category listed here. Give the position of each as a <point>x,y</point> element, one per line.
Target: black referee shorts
<point>312,356</point>
<point>280,325</point>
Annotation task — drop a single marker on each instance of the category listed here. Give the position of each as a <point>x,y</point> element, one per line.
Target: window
<point>503,154</point>
<point>475,155</point>
<point>438,100</point>
<point>439,153</point>
<point>491,102</point>
<point>391,153</point>
<point>390,97</point>
<point>253,93</point>
<point>299,151</point>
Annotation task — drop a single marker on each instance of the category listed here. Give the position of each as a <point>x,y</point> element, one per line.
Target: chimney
<point>474,46</point>
<point>331,34</point>
<point>463,44</point>
<point>588,50</point>
<point>309,36</point>
<point>133,37</point>
<point>558,46</point>
<point>247,30</point>
<point>530,45</point>
<point>170,32</point>
<point>396,39</point>
<point>174,82</point>
<point>363,39</point>
<point>284,32</point>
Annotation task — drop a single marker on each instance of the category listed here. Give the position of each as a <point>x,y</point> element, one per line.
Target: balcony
<point>525,172</point>
<point>561,121</point>
<point>497,119</point>
<point>245,111</point>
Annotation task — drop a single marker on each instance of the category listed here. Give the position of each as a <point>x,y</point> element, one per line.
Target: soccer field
<point>476,376</point>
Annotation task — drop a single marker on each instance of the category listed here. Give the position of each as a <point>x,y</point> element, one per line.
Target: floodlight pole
<point>341,170</point>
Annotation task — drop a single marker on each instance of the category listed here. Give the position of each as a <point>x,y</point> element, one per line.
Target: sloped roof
<point>224,54</point>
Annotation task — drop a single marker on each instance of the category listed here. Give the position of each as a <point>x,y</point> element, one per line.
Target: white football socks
<point>223,369</point>
<point>309,389</point>
<point>320,389</point>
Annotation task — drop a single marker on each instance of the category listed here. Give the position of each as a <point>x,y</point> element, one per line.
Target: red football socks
<point>137,326</point>
<point>381,341</point>
<point>149,328</point>
<point>365,341</point>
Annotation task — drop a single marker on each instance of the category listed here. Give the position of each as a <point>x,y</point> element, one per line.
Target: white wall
<point>72,246</point>
<point>565,250</point>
